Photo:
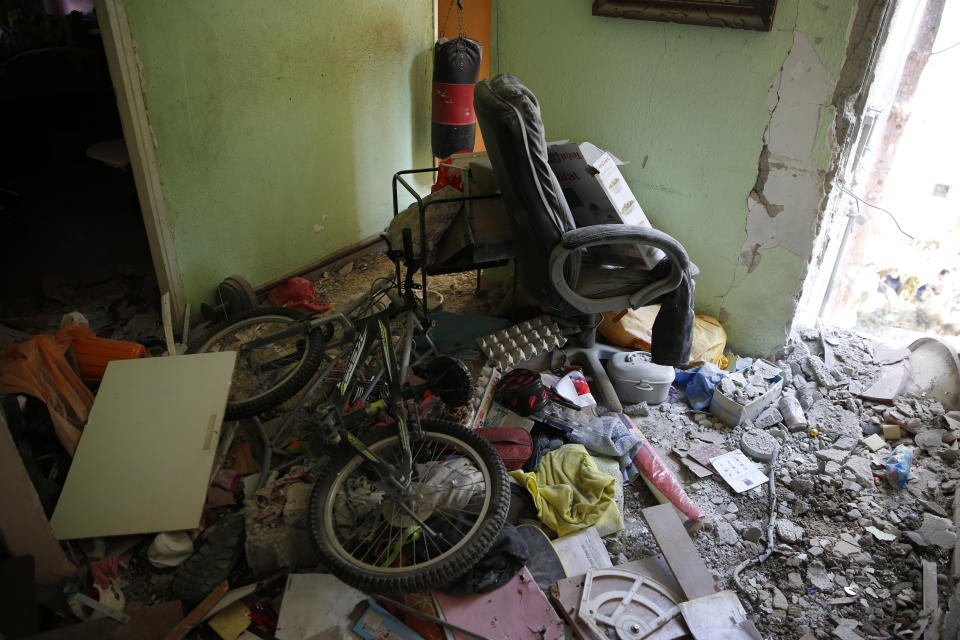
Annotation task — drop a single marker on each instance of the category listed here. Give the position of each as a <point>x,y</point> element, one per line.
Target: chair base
<point>589,357</point>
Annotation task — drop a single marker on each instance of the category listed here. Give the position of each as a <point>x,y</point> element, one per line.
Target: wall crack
<point>783,206</point>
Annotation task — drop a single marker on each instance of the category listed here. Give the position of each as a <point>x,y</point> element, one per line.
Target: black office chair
<point>554,262</point>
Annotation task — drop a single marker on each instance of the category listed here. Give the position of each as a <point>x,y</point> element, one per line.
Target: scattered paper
<point>377,623</point>
<point>574,388</point>
<point>300,617</point>
<point>231,622</point>
<point>581,551</point>
<point>881,535</point>
<point>875,442</point>
<point>739,471</point>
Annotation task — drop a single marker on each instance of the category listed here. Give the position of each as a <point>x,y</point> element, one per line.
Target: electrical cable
<point>945,49</point>
<point>873,206</point>
<point>770,529</point>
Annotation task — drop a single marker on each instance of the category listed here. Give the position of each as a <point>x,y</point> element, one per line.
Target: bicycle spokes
<point>378,523</point>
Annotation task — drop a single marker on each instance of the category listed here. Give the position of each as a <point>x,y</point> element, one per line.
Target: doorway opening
<point>891,263</point>
<point>74,235</point>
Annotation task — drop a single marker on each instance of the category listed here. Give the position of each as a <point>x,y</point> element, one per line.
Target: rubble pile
<point>849,547</point>
<point>747,386</point>
<point>816,486</point>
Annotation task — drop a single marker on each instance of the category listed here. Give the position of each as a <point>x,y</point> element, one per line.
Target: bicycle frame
<point>377,328</point>
<point>367,333</point>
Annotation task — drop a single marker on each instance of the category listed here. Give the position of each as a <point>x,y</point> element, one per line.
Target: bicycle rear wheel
<point>267,375</point>
<point>377,540</point>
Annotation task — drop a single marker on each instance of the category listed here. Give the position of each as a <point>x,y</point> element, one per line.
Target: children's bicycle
<point>403,503</point>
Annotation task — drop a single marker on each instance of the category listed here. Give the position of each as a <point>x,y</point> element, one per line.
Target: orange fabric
<point>39,367</point>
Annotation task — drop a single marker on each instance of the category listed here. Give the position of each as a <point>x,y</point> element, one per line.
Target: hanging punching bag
<point>456,66</point>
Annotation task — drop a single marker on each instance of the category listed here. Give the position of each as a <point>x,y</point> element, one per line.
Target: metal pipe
<point>851,218</point>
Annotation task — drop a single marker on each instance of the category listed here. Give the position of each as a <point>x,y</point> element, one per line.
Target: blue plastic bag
<point>700,383</point>
<point>898,466</point>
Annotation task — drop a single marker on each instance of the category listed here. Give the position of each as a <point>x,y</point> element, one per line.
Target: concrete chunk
<point>832,455</point>
<point>938,531</point>
<point>789,532</point>
<point>861,469</point>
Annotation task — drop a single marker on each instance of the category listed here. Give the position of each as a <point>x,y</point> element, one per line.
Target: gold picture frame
<point>735,14</point>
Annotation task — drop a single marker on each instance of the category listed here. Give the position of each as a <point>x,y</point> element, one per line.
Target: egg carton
<point>522,342</point>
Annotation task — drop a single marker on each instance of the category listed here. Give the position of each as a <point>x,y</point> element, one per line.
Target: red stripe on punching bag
<point>453,104</point>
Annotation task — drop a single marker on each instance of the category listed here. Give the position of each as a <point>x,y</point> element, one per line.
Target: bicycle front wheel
<point>269,374</point>
<point>382,540</point>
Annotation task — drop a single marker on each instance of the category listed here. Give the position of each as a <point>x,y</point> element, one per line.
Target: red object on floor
<point>104,571</point>
<point>514,445</point>
<point>297,293</point>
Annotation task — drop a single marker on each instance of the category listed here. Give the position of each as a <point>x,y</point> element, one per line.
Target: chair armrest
<point>612,234</point>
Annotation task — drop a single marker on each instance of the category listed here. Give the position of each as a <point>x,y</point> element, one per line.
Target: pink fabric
<point>227,479</point>
<point>104,571</point>
<point>272,498</point>
<point>653,469</point>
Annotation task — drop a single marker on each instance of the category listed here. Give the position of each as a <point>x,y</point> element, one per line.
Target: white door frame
<point>126,73</point>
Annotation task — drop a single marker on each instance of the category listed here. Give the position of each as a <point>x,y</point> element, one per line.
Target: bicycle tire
<point>231,335</point>
<point>436,572</point>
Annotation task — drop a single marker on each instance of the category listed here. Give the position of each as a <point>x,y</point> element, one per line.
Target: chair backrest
<point>509,117</point>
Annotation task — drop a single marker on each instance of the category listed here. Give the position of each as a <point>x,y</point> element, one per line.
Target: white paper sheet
<point>739,471</point>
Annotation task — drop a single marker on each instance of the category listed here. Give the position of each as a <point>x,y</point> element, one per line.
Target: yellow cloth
<point>571,493</point>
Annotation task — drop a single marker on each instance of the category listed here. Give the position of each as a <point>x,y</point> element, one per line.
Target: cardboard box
<point>733,413</point>
<point>477,174</point>
<point>499,417</point>
<point>482,235</point>
<point>597,193</point>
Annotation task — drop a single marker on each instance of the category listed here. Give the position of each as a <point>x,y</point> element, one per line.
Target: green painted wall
<point>278,125</point>
<point>688,106</point>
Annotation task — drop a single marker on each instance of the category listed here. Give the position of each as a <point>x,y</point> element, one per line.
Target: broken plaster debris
<point>848,545</point>
<point>848,549</point>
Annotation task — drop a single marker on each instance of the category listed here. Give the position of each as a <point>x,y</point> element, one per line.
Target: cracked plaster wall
<point>784,204</point>
<point>730,134</point>
<point>278,125</point>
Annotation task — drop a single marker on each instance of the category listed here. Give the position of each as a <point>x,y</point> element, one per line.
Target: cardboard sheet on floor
<point>518,610</point>
<point>317,605</point>
<point>231,621</point>
<point>23,524</point>
<point>719,616</point>
<point>581,551</point>
<point>147,623</point>
<point>681,555</point>
<point>145,458</point>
